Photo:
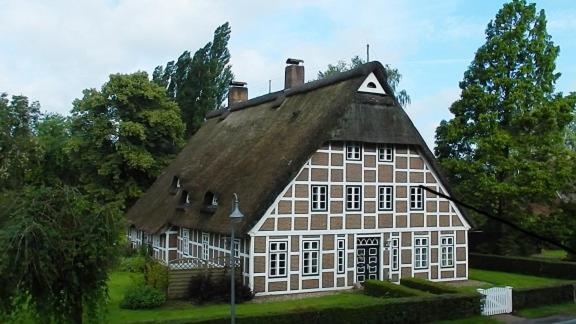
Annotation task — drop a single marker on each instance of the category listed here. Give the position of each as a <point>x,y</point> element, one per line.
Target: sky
<point>51,50</point>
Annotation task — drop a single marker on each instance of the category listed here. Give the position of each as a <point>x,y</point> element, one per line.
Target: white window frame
<point>319,197</point>
<point>385,198</point>
<point>156,240</point>
<point>416,198</point>
<point>353,151</point>
<point>214,200</point>
<point>447,251</point>
<point>205,246</point>
<point>310,257</point>
<point>395,254</point>
<point>236,248</point>
<point>421,252</point>
<point>386,153</point>
<point>353,198</point>
<point>277,259</point>
<point>341,255</point>
<point>185,241</point>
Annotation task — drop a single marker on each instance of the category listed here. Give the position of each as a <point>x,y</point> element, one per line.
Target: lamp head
<point>236,215</point>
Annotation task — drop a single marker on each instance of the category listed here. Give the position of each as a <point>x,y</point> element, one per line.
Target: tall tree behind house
<point>199,83</point>
<point>504,148</point>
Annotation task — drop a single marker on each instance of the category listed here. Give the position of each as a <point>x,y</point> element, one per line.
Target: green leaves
<point>504,149</point>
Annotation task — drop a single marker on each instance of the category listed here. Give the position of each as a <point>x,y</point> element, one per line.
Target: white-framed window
<point>416,198</point>
<point>214,200</point>
<point>446,251</point>
<point>385,197</point>
<point>319,198</point>
<point>310,257</point>
<point>205,243</point>
<point>133,234</point>
<point>185,241</point>
<point>236,248</point>
<point>420,253</point>
<point>394,253</point>
<point>156,240</point>
<point>353,151</point>
<point>386,153</point>
<point>278,255</point>
<point>353,198</point>
<point>341,250</point>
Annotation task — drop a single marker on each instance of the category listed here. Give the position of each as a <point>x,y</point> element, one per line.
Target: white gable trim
<point>371,85</point>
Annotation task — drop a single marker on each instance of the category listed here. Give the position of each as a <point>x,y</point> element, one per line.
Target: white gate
<point>497,300</point>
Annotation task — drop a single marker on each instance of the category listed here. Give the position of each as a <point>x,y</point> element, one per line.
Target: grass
<point>511,279</point>
<point>548,310</point>
<point>551,254</point>
<point>119,281</point>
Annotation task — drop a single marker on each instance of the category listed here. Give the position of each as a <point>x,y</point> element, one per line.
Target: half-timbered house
<point>328,176</point>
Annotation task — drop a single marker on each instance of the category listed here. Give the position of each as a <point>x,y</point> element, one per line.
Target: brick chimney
<point>237,92</point>
<point>294,73</point>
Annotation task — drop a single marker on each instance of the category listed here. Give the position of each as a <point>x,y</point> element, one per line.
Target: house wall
<point>291,220</point>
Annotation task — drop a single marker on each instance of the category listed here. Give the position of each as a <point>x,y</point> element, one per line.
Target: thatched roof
<point>257,147</point>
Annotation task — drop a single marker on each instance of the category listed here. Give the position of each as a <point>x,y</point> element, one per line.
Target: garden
<point>138,296</point>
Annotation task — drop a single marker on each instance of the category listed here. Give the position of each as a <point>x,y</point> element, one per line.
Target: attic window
<point>184,199</point>
<point>372,85</point>
<point>210,202</point>
<point>210,199</point>
<point>175,185</point>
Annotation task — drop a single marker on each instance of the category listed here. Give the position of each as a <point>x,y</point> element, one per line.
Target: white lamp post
<point>235,217</point>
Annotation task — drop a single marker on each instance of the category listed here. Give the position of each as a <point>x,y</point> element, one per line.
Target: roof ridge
<point>362,70</point>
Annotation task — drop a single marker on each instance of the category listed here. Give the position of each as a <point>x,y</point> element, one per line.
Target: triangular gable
<point>372,85</point>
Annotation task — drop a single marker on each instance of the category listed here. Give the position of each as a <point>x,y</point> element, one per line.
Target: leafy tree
<point>199,83</point>
<point>57,248</point>
<point>394,76</point>
<point>123,136</point>
<point>18,119</point>
<point>504,148</point>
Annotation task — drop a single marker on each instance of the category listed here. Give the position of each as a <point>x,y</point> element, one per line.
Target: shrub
<point>427,286</point>
<point>141,296</point>
<point>532,297</point>
<point>388,289</point>
<point>156,275</point>
<point>208,286</point>
<point>529,266</point>
<point>405,310</point>
<point>133,264</point>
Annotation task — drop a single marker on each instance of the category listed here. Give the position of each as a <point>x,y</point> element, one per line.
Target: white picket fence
<point>497,300</point>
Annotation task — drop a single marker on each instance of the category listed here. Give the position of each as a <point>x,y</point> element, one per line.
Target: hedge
<point>387,289</point>
<point>524,265</point>
<point>546,295</point>
<point>401,310</point>
<point>427,286</point>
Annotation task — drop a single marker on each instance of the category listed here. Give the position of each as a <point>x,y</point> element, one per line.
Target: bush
<point>405,310</point>
<point>133,264</point>
<point>156,275</point>
<point>388,289</point>
<point>141,296</point>
<point>529,266</point>
<point>207,286</point>
<point>532,297</point>
<point>428,286</point>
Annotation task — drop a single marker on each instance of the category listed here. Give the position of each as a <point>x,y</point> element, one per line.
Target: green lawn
<point>549,310</point>
<point>551,254</point>
<point>184,310</point>
<point>514,280</point>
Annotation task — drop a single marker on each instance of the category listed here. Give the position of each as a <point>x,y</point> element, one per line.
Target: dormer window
<point>210,202</point>
<point>175,185</point>
<point>184,199</point>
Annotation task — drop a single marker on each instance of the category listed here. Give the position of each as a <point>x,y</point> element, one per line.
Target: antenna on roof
<point>269,86</point>
<point>367,52</point>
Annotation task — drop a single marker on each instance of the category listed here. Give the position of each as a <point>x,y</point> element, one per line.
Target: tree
<point>199,83</point>
<point>123,136</point>
<point>394,76</point>
<point>504,148</point>
<point>18,119</point>
<point>57,248</point>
